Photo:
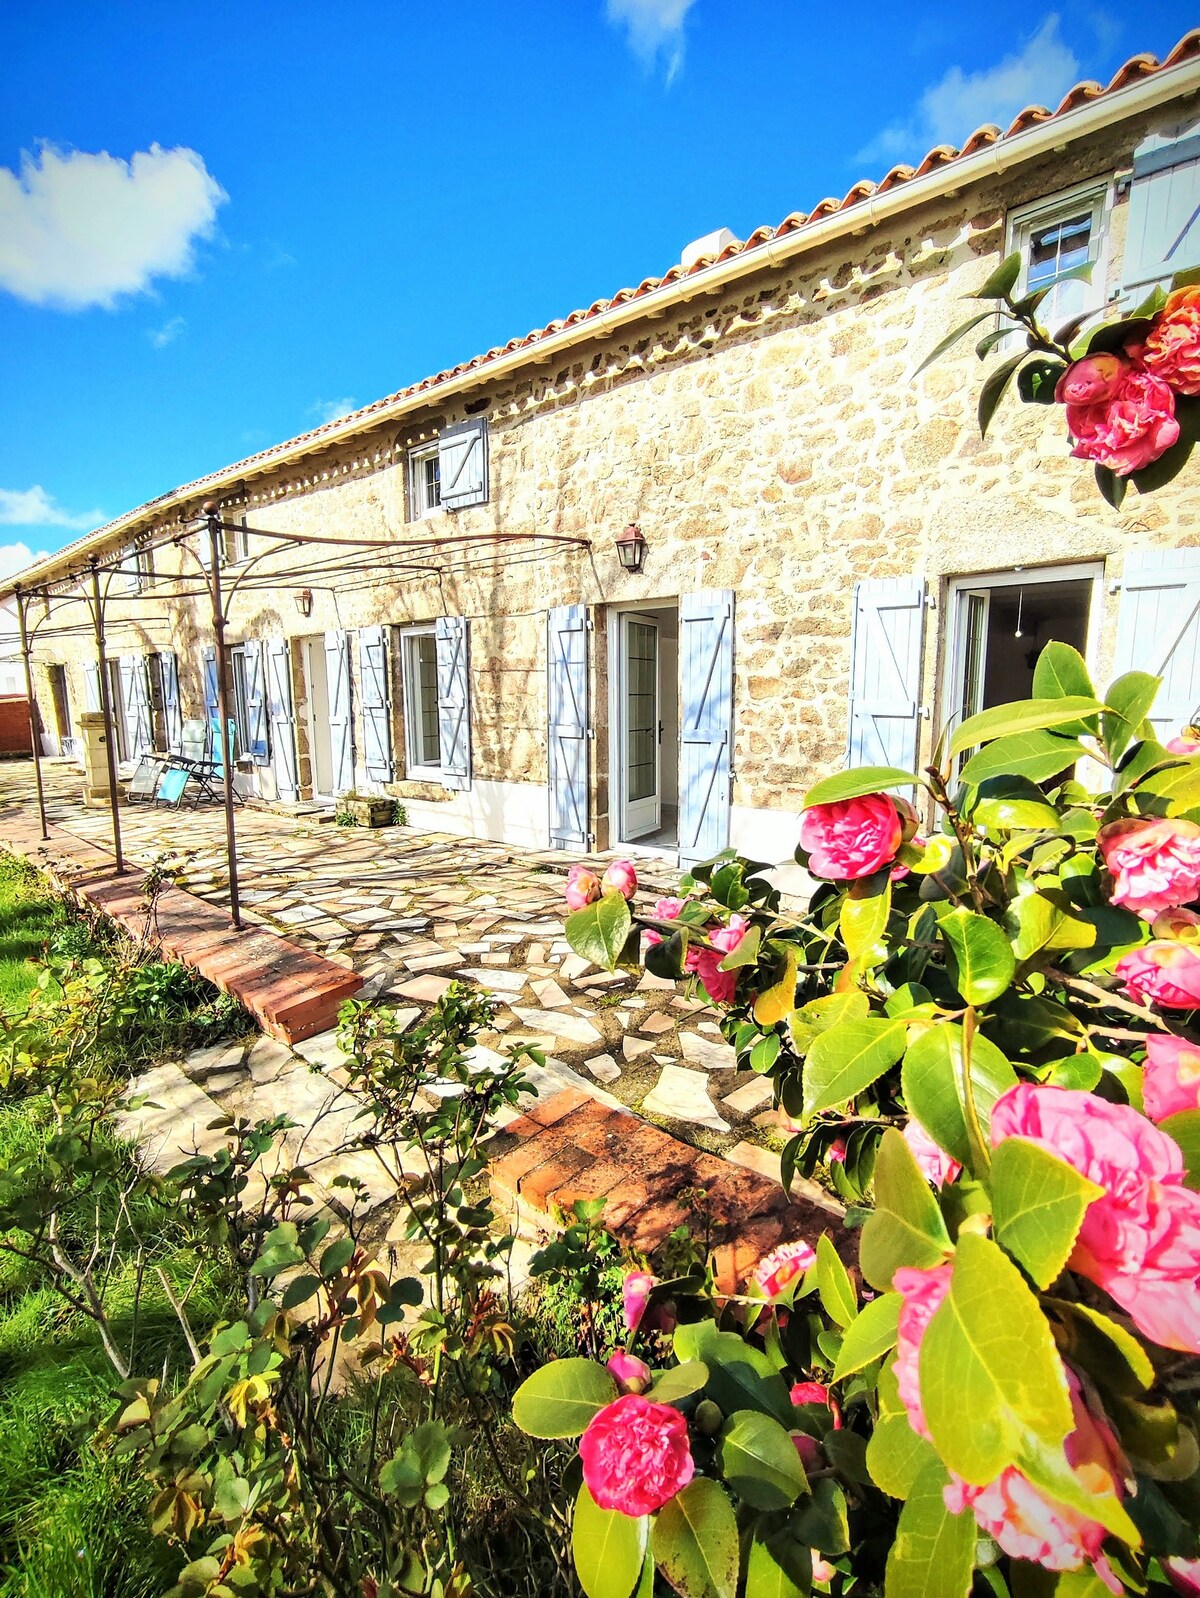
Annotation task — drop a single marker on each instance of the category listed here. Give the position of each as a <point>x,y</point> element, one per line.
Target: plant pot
<point>370,812</point>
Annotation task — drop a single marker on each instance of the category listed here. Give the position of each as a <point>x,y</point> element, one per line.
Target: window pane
<point>641,710</point>
<point>1054,248</point>
<point>433,481</point>
<point>420,670</point>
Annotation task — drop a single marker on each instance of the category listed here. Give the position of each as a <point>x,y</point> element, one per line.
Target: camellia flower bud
<point>709,1418</point>
<point>1090,381</point>
<point>619,876</point>
<point>583,886</point>
<point>632,1374</point>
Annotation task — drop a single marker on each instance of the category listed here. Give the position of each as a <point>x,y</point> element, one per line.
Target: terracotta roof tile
<point>1133,70</point>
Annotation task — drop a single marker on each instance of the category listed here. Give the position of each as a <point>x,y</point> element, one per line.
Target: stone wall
<point>771,439</point>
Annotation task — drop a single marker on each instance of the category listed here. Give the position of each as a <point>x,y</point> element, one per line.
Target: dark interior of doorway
<point>1022,620</point>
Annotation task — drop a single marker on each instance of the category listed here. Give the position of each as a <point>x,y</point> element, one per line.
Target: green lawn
<point>29,914</point>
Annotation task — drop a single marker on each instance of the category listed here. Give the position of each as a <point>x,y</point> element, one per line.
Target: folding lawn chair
<point>147,774</point>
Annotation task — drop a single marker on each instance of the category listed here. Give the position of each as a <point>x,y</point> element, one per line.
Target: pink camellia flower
<point>922,1292</point>
<point>1184,1576</point>
<point>1132,427</point>
<point>937,1166</point>
<point>1140,1240</point>
<point>1155,865</point>
<point>719,985</point>
<point>817,1393</point>
<point>583,886</point>
<point>808,1448</point>
<point>851,837</point>
<point>1183,743</point>
<point>1028,1525</point>
<point>822,1570</point>
<point>781,1266</point>
<point>635,1290</point>
<point>668,909</point>
<point>1171,1080</point>
<point>837,1151</point>
<point>619,877</point>
<point>1172,347</point>
<point>632,1374</point>
<point>635,1455</point>
<point>1091,380</point>
<point>1162,972</point>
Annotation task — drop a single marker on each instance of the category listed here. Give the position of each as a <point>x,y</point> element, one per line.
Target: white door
<point>641,754</point>
<point>971,651</point>
<point>318,718</point>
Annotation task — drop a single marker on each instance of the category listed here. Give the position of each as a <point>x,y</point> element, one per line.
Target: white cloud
<point>33,507</point>
<point>951,109</point>
<point>78,229</point>
<point>15,557</point>
<point>331,410</point>
<point>160,337</point>
<point>654,28</point>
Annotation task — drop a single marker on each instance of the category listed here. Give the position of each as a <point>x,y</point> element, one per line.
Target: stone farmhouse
<point>831,563</point>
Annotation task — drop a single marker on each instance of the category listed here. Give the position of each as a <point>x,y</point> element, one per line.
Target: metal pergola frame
<point>429,557</point>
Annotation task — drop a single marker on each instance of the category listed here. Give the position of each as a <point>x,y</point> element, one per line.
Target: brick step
<point>570,1147</point>
<point>291,992</point>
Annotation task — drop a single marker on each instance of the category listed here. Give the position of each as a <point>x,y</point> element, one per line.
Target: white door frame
<point>318,731</point>
<point>954,665</point>
<point>614,631</point>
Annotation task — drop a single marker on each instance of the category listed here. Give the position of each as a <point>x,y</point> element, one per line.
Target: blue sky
<point>223,223</point>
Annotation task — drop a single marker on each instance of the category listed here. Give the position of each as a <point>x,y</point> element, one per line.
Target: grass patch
<point>30,915</point>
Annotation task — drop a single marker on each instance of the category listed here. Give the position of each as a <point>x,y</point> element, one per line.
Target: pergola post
<point>114,793</point>
<point>218,621</point>
<point>35,742</point>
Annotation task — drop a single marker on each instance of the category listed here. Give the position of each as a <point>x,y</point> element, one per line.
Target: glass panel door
<point>641,790</point>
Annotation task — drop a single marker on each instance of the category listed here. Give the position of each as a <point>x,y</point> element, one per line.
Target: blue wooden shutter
<point>341,720</point>
<point>705,723</point>
<point>454,701</point>
<point>1158,630</point>
<point>212,703</point>
<point>141,729</point>
<point>885,672</point>
<point>376,701</point>
<point>172,714</point>
<point>463,464</point>
<point>1163,216</point>
<point>257,738</point>
<point>277,663</point>
<point>567,731</point>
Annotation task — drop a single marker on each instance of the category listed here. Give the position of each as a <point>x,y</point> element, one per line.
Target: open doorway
<point>320,743</point>
<point>1000,624</point>
<point>644,752</point>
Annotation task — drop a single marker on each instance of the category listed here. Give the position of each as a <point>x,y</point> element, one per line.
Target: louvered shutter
<point>141,726</point>
<point>212,700</point>
<point>706,723</point>
<point>567,731</point>
<point>1158,630</point>
<point>463,464</point>
<point>885,672</point>
<point>376,703</point>
<point>341,721</point>
<point>91,688</point>
<point>257,739</point>
<point>454,701</point>
<point>172,713</point>
<point>277,661</point>
<point>1163,217</point>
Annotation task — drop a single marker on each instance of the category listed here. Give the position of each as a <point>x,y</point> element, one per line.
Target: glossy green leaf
<point>561,1398</point>
<point>871,1334</point>
<point>980,959</point>
<point>1038,1205</point>
<point>1000,283</point>
<point>745,953</point>
<point>1022,715</point>
<point>864,917</point>
<point>1061,673</point>
<point>906,1225</point>
<point>1129,702</point>
<point>994,385</point>
<point>599,931</point>
<point>854,784</point>
<point>808,1022</point>
<point>681,1381</point>
<point>609,1548</point>
<point>1178,785</point>
<point>740,1376</point>
<point>931,1078</point>
<point>1092,1340</point>
<point>1184,1127</point>
<point>1112,488</point>
<point>848,1058</point>
<point>1016,815</point>
<point>988,1353</point>
<point>760,1462</point>
<point>696,1543</point>
<point>933,1555</point>
<point>1046,1466</point>
<point>952,338</point>
<point>766,1577</point>
<point>1035,755</point>
<point>896,1455</point>
<point>834,1286</point>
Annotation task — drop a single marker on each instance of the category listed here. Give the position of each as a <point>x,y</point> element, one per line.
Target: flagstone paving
<point>413,911</point>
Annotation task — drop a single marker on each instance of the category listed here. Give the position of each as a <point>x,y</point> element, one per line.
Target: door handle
<point>660,732</point>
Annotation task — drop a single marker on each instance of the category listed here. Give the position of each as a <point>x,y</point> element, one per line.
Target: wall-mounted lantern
<point>304,601</point>
<point>631,548</point>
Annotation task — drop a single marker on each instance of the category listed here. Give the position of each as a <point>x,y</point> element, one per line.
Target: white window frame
<point>418,504</point>
<point>1023,220</point>
<point>415,769</point>
<point>955,662</point>
<point>236,544</point>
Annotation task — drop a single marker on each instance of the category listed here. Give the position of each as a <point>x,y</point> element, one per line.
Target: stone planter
<point>370,812</point>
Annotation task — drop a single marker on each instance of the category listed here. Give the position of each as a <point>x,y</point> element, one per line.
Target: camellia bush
<point>984,1035</point>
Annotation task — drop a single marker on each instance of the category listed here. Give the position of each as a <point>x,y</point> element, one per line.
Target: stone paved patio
<point>413,911</point>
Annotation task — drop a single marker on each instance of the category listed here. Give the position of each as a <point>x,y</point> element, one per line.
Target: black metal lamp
<point>304,601</point>
<point>631,548</point>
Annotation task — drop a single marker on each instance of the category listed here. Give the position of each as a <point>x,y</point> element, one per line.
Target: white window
<point>237,541</point>
<point>422,739</point>
<point>1055,236</point>
<point>137,570</point>
<point>424,481</point>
